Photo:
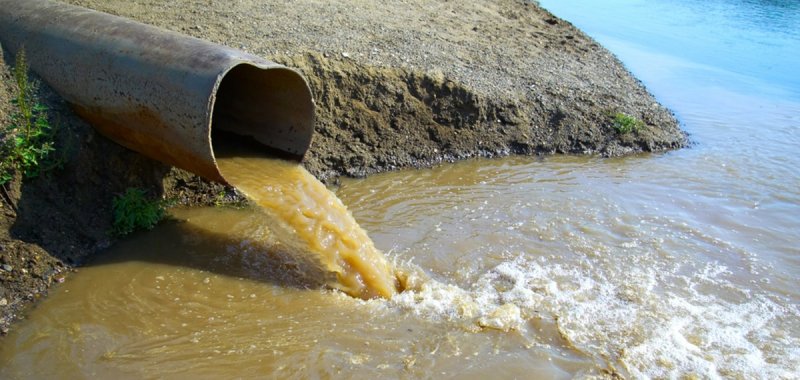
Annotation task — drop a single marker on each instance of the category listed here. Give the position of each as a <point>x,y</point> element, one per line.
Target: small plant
<point>624,124</point>
<point>133,210</point>
<point>228,198</point>
<point>219,199</point>
<point>27,142</point>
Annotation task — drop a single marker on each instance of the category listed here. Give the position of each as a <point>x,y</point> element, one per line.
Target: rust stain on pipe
<point>159,92</point>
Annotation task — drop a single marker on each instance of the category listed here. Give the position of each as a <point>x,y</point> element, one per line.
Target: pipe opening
<point>269,110</point>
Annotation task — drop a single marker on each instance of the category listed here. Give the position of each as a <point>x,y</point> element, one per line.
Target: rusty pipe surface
<point>159,92</point>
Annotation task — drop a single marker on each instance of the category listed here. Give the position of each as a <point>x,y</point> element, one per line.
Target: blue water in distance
<point>730,71</point>
<point>752,46</point>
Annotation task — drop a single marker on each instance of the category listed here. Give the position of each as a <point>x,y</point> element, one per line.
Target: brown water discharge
<point>309,219</point>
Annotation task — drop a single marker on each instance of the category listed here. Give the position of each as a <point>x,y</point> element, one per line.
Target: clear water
<point>675,265</point>
<point>743,46</point>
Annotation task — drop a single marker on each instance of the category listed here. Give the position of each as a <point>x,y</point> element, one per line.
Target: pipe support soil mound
<point>159,92</point>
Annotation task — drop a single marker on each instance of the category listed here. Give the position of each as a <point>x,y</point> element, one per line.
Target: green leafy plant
<point>133,210</point>
<point>624,124</point>
<point>26,143</point>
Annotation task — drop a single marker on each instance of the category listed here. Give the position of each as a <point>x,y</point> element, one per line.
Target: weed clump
<point>625,124</point>
<point>28,140</point>
<point>133,211</point>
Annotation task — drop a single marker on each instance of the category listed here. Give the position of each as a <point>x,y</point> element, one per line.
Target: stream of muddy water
<point>676,265</point>
<point>312,230</point>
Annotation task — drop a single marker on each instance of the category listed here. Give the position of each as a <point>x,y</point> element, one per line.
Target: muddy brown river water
<point>676,265</point>
<point>560,267</point>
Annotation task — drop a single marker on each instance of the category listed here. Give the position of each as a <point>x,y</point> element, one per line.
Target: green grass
<point>27,142</point>
<point>625,124</point>
<point>133,211</point>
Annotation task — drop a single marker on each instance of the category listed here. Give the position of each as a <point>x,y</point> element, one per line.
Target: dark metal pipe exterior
<point>155,91</point>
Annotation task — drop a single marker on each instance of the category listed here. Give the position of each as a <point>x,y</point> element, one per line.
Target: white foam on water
<point>432,299</point>
<point>649,323</point>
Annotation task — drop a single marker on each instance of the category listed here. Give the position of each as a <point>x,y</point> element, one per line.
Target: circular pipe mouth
<point>171,97</point>
<point>266,108</point>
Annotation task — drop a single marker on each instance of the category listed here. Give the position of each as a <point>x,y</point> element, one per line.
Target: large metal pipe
<point>159,92</point>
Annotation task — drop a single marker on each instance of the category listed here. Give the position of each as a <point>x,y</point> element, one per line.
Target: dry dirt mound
<point>372,119</point>
<point>411,83</point>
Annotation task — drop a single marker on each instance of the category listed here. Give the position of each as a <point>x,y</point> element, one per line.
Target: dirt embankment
<point>397,84</point>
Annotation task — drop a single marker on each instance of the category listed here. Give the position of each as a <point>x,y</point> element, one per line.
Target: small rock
<point>3,302</point>
<point>7,268</point>
<point>345,54</point>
